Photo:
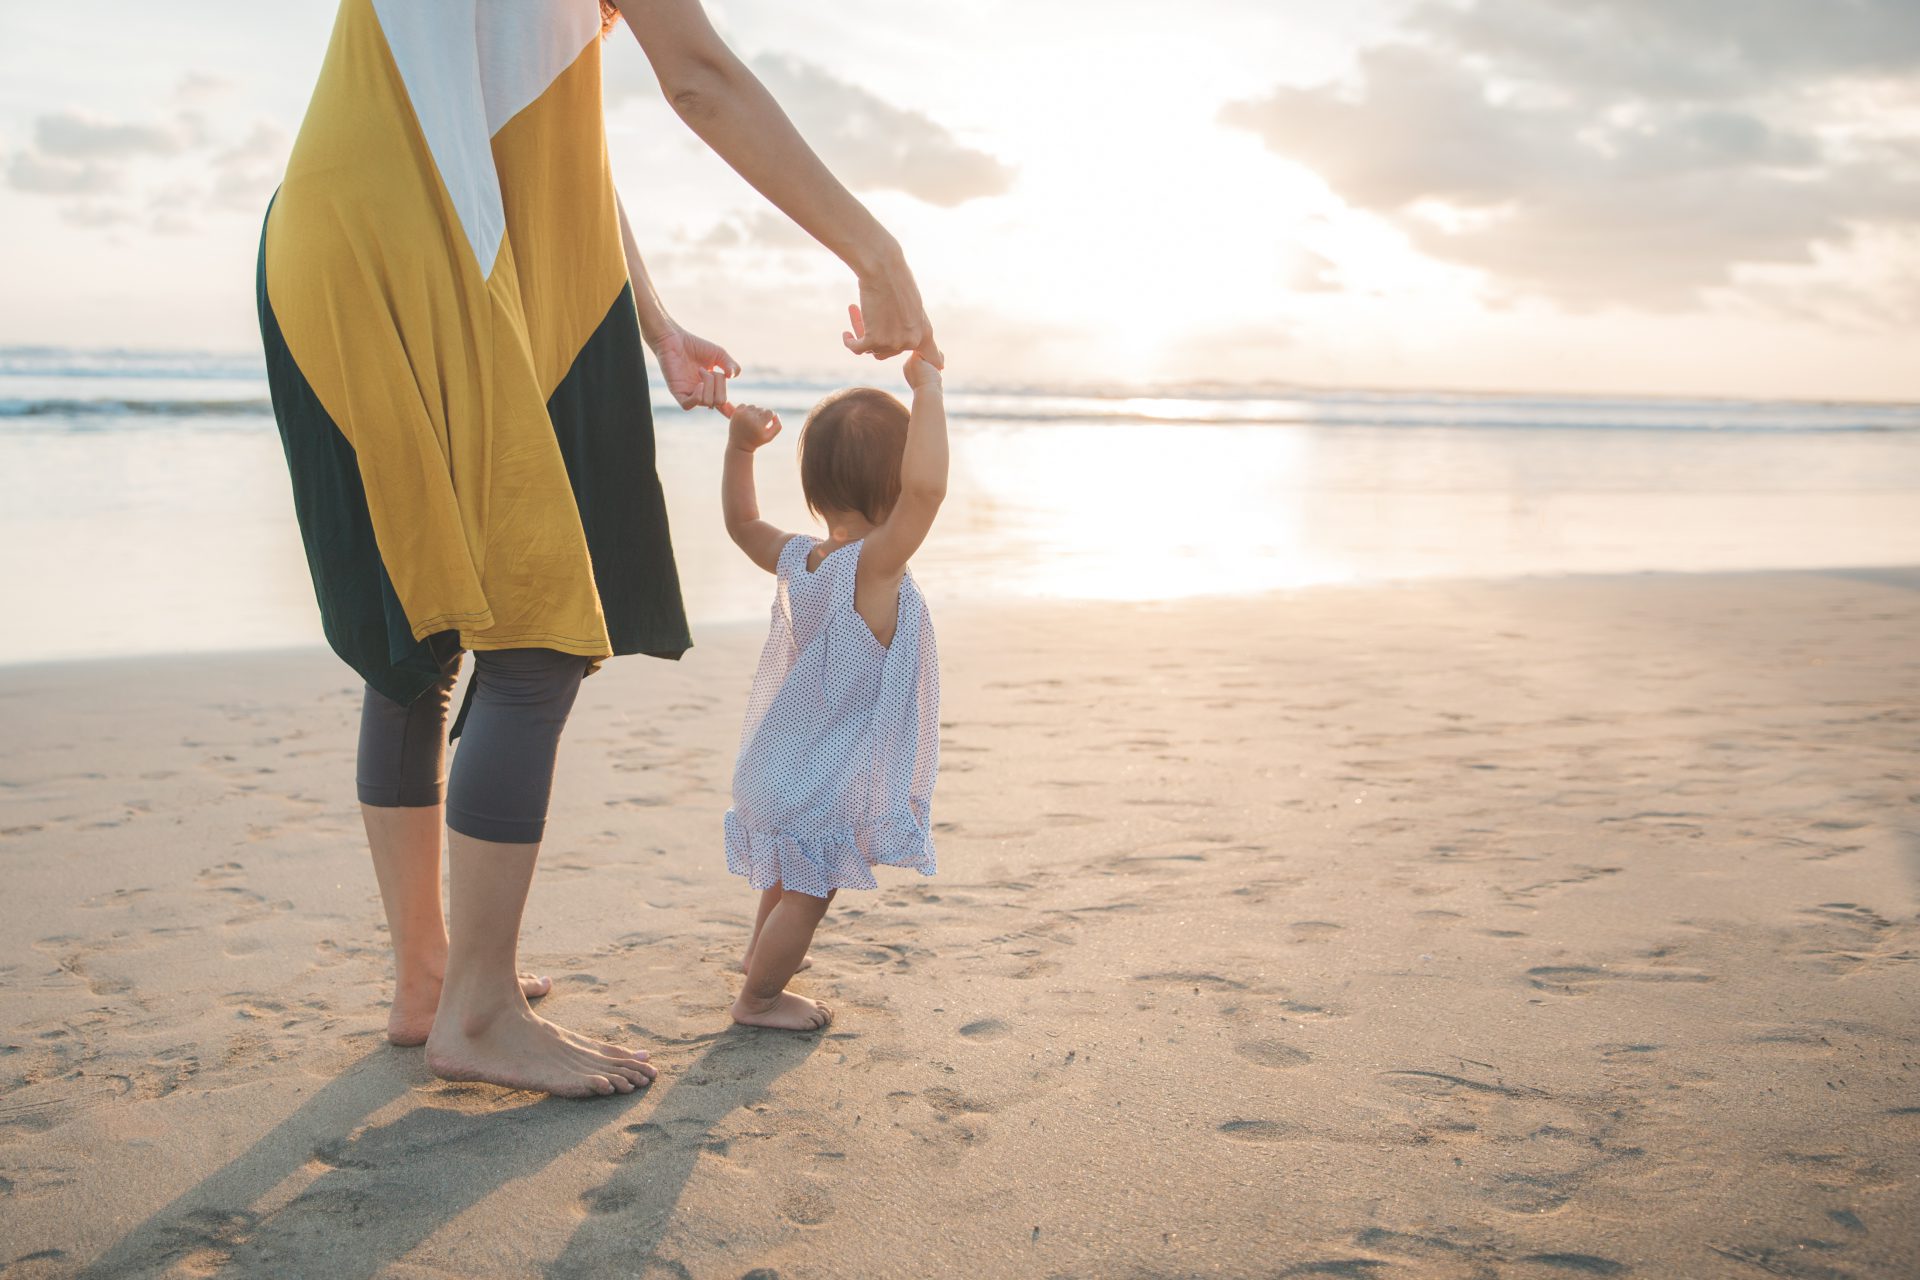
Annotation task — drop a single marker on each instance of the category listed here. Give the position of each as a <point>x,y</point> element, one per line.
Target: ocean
<point>144,504</point>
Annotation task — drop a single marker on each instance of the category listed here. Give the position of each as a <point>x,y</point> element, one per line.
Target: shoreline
<point>1544,926</point>
<point>65,358</point>
<point>1898,574</point>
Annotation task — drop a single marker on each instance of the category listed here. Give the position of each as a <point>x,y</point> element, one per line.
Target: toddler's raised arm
<point>750,428</point>
<point>923,478</point>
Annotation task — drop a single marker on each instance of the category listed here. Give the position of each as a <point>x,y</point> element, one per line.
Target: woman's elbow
<point>695,91</point>
<point>692,104</point>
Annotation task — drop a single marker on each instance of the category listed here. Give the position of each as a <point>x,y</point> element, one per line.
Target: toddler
<point>841,743</point>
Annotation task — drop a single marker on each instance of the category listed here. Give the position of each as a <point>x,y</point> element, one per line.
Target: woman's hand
<point>891,318</point>
<point>696,370</point>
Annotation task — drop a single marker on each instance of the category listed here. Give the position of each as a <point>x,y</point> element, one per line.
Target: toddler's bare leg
<point>768,897</point>
<point>777,952</point>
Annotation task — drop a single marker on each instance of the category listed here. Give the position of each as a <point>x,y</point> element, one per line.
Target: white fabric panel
<point>435,44</point>
<point>524,45</point>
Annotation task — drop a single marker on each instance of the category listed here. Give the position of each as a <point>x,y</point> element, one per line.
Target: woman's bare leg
<point>483,1029</point>
<point>405,843</point>
<point>778,949</point>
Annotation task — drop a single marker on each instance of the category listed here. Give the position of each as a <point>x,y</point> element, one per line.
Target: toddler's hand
<point>752,426</point>
<point>921,372</point>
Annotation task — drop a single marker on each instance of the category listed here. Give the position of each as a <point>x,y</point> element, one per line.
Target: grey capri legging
<point>502,773</point>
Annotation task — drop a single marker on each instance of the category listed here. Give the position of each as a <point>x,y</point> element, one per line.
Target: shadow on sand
<point>388,1188</point>
<point>629,1212</point>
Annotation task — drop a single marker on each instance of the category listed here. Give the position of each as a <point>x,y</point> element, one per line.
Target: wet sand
<point>1547,928</point>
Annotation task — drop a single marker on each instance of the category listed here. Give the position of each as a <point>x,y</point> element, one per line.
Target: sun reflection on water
<point>1124,512</point>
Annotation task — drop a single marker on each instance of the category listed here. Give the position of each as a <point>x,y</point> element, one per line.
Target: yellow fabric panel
<point>561,220</point>
<point>426,368</point>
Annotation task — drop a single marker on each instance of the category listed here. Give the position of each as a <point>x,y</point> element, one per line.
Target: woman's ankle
<point>474,1007</point>
<point>420,969</point>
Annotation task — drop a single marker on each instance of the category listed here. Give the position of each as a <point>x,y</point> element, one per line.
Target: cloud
<point>35,174</point>
<point>168,176</point>
<point>751,229</point>
<point>197,88</point>
<point>95,217</point>
<point>1699,47</point>
<point>245,174</point>
<point>73,136</point>
<point>1633,152</point>
<point>873,145</point>
<point>868,142</point>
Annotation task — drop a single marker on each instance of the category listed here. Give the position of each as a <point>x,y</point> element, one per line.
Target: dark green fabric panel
<point>359,610</point>
<point>604,423</point>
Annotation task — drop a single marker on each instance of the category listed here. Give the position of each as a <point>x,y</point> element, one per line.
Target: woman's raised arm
<point>732,112</point>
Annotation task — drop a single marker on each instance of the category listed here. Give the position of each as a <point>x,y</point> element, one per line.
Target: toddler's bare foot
<point>519,1050</point>
<point>786,1011</point>
<point>806,962</point>
<point>410,1020</point>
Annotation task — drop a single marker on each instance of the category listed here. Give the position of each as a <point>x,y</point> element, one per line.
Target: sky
<point>1718,197</point>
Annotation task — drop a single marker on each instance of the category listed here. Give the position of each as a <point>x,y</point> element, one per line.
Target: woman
<point>452,310</point>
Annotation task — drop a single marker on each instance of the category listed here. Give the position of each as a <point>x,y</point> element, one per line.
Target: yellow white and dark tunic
<point>453,350</point>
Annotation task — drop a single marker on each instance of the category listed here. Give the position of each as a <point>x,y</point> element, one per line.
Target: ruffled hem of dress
<point>839,859</point>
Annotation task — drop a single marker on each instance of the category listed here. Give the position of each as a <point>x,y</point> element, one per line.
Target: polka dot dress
<point>842,738</point>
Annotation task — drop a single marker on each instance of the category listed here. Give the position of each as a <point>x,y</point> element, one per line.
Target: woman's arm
<point>654,320</point>
<point>732,112</point>
<point>923,480</point>
<point>751,427</point>
<point>696,371</point>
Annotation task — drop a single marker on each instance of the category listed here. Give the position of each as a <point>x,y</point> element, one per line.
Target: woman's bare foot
<point>601,1046</point>
<point>517,1049</point>
<point>746,962</point>
<point>410,1021</point>
<point>786,1011</point>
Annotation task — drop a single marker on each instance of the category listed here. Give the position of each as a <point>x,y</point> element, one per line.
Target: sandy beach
<point>1546,928</point>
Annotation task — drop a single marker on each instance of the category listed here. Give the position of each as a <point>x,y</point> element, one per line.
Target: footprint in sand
<point>1445,1084</point>
<point>114,898</point>
<point>1845,937</point>
<point>1185,978</point>
<point>1259,1131</point>
<point>954,1103</point>
<point>1271,1053</point>
<point>611,1199</point>
<point>1578,979</point>
<point>1805,1043</point>
<point>1071,819</point>
<point>806,1205</point>
<point>1588,1264</point>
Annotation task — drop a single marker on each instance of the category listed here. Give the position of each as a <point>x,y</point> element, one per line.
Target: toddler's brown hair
<point>850,451</point>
